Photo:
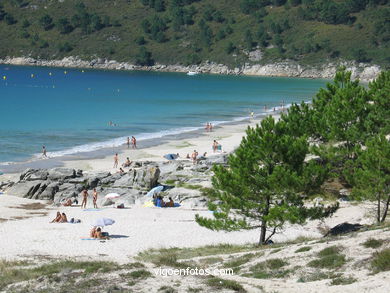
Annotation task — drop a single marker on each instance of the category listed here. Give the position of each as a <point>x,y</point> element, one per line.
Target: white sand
<point>143,228</point>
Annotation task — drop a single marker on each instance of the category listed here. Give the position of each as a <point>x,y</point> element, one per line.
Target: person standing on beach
<point>134,142</point>
<point>194,157</point>
<point>44,151</point>
<point>215,145</point>
<point>95,195</point>
<point>207,127</point>
<point>85,196</point>
<point>210,127</point>
<point>116,159</point>
<point>128,142</point>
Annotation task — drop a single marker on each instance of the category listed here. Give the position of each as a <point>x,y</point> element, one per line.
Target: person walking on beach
<point>128,142</point>
<point>116,159</point>
<point>95,195</point>
<point>44,151</point>
<point>133,142</point>
<point>85,197</point>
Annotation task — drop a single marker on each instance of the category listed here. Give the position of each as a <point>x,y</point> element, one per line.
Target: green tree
<point>372,176</point>
<point>340,112</point>
<point>25,23</point>
<point>140,40</point>
<point>9,19</point>
<point>230,48</point>
<point>46,22</point>
<point>64,26</point>
<point>144,57</point>
<point>262,184</point>
<point>248,40</point>
<point>378,120</point>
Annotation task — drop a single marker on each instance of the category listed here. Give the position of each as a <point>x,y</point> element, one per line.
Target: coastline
<point>228,134</point>
<point>361,71</point>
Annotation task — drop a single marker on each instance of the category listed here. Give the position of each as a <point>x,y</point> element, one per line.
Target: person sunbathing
<point>170,204</point>
<point>57,219</point>
<point>64,219</point>
<point>67,203</point>
<point>127,163</point>
<point>92,234</point>
<point>99,234</point>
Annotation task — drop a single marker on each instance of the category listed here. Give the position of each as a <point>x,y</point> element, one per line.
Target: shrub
<point>381,261</point>
<point>372,243</point>
<point>303,249</point>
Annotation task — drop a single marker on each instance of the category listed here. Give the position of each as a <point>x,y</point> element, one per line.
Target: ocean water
<point>69,110</point>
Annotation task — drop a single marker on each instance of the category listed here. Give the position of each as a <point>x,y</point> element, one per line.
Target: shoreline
<point>362,71</point>
<point>176,143</point>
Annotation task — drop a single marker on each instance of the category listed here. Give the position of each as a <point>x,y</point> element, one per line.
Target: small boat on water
<point>192,73</point>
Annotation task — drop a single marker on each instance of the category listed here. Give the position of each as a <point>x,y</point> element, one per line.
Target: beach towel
<point>90,239</point>
<point>148,204</point>
<point>92,210</point>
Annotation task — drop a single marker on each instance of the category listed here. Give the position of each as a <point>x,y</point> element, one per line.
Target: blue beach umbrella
<point>101,222</point>
<point>155,190</point>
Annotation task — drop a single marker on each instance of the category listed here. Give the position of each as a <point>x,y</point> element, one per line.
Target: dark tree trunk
<point>263,231</point>
<point>386,208</point>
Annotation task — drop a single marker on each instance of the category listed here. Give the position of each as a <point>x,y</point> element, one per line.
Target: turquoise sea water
<point>69,110</point>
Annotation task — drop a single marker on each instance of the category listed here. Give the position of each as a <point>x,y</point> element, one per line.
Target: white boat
<point>192,73</point>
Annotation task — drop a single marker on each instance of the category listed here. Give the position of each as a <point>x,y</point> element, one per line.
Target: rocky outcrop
<point>362,71</point>
<point>59,184</point>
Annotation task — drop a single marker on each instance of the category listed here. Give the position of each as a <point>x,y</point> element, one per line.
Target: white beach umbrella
<point>155,190</point>
<point>112,195</point>
<point>101,222</point>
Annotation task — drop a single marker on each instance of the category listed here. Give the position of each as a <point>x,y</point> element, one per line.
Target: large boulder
<point>49,192</point>
<point>40,174</point>
<point>61,174</point>
<point>145,177</point>
<point>26,173</point>
<point>25,188</point>
<point>343,228</point>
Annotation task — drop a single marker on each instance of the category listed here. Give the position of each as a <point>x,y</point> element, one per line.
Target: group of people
<point>158,201</point>
<point>85,198</point>
<point>60,218</point>
<point>209,127</point>
<point>132,141</point>
<point>195,156</point>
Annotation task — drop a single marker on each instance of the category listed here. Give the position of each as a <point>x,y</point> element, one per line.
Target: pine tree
<point>372,176</point>
<point>261,186</point>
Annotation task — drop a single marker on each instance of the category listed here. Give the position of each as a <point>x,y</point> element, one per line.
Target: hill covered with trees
<point>231,32</point>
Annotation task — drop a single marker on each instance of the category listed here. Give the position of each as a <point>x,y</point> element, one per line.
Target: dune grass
<point>343,281</point>
<point>13,273</point>
<point>303,249</point>
<point>372,243</point>
<point>329,258</point>
<point>271,268</point>
<point>220,284</point>
<point>381,261</point>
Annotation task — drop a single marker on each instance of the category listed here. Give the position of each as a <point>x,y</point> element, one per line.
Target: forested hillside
<point>193,31</point>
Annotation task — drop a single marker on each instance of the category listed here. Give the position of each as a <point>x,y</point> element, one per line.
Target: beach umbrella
<point>171,157</point>
<point>155,190</point>
<point>112,195</point>
<point>101,222</point>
